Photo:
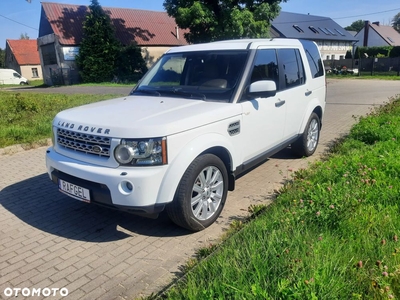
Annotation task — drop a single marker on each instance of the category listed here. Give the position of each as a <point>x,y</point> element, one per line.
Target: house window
<point>312,28</point>
<point>324,31</point>
<point>341,33</point>
<point>49,54</point>
<point>298,28</point>
<point>341,56</point>
<point>328,57</point>
<point>35,73</point>
<point>330,31</point>
<point>333,56</point>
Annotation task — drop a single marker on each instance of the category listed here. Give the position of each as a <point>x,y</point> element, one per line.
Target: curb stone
<point>10,150</point>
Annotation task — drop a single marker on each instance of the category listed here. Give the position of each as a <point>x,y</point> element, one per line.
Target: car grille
<point>83,142</point>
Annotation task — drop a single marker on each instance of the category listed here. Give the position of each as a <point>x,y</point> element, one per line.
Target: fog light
<point>126,187</point>
<point>129,186</point>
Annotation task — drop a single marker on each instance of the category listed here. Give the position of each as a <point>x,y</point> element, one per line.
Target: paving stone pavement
<point>48,240</point>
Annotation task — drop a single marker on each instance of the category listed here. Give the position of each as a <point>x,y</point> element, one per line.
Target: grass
<point>332,232</point>
<point>32,83</point>
<point>26,117</point>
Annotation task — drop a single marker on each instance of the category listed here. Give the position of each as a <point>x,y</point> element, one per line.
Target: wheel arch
<point>226,158</point>
<point>314,107</point>
<point>215,144</point>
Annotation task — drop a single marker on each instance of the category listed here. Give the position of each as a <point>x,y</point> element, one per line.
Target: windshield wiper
<point>179,92</point>
<point>146,91</point>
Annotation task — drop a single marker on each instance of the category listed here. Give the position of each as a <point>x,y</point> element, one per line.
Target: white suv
<point>201,115</point>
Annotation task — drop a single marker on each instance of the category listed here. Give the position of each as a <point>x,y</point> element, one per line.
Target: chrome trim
<point>83,142</point>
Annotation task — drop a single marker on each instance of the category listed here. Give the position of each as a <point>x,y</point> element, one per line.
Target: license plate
<point>74,191</point>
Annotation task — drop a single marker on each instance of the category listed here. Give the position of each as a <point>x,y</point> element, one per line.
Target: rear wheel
<point>308,141</point>
<point>201,194</point>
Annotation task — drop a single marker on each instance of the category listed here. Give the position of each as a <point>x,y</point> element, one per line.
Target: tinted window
<point>290,62</point>
<point>265,66</point>
<point>314,59</point>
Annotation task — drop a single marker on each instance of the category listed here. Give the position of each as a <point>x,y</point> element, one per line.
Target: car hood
<point>144,116</point>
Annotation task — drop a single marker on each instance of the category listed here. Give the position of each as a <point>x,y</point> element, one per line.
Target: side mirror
<point>262,88</point>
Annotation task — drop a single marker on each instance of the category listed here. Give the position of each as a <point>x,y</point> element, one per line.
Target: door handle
<point>280,103</point>
<point>308,93</point>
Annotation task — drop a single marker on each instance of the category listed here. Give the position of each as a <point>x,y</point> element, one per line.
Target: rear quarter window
<point>314,58</point>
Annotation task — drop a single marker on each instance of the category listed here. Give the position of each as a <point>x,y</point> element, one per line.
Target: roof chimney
<point>366,33</point>
<point>376,23</point>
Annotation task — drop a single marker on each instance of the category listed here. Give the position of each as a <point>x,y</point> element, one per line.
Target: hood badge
<point>83,128</point>
<point>97,149</point>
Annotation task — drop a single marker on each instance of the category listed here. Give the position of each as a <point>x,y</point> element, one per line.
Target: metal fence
<point>365,66</point>
<point>64,76</point>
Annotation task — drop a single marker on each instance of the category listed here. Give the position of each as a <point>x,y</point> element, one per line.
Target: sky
<point>21,17</point>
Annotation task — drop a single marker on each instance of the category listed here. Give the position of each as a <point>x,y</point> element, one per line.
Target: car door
<point>292,90</point>
<point>263,118</point>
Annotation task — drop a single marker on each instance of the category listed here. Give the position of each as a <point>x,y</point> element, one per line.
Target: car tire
<point>307,143</point>
<point>201,194</point>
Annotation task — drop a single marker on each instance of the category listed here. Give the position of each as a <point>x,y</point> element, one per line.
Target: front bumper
<point>107,186</point>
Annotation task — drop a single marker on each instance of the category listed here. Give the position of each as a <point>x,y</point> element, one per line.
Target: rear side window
<point>314,59</point>
<point>292,68</point>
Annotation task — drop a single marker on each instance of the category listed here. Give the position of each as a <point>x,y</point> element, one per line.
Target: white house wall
<point>334,49</point>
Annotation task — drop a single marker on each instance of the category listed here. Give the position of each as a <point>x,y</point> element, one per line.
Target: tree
<point>130,63</point>
<point>2,58</point>
<point>396,22</point>
<point>99,47</point>
<point>24,36</point>
<point>355,26</point>
<point>210,20</point>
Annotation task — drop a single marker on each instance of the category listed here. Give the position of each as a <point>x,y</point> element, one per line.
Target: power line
<point>379,12</point>
<point>19,22</point>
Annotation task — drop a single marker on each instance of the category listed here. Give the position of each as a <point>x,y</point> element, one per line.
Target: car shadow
<point>37,202</point>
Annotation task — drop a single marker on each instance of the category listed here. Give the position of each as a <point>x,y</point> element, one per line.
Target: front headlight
<point>141,152</point>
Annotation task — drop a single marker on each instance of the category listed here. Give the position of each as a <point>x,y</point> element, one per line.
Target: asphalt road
<point>49,240</point>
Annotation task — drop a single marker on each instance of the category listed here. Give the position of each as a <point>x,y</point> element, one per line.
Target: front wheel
<point>308,141</point>
<point>201,194</point>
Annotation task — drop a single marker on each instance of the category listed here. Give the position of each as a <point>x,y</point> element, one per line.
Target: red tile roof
<point>147,28</point>
<point>25,51</point>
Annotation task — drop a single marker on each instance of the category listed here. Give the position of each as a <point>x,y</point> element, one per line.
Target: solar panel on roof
<point>324,31</point>
<point>330,31</point>
<point>341,33</point>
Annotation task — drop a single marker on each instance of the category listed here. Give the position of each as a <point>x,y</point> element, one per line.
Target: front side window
<point>265,66</point>
<point>16,75</point>
<point>205,75</point>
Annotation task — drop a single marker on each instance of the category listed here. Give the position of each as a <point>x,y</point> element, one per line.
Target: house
<point>333,41</point>
<point>23,57</point>
<point>60,34</point>
<point>375,35</point>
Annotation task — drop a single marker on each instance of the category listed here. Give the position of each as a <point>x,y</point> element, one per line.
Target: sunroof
<point>324,31</point>
<point>341,33</point>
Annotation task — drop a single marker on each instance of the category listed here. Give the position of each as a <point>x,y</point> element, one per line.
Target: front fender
<point>185,157</point>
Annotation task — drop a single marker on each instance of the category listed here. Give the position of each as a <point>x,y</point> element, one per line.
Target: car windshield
<point>208,76</point>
